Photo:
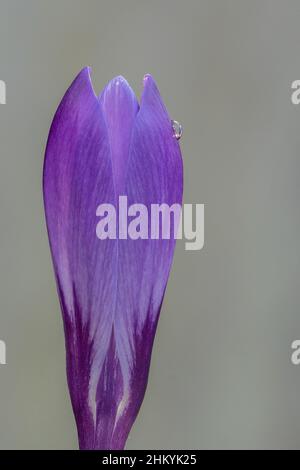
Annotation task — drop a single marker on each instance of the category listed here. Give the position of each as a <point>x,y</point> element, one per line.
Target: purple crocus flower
<point>110,290</point>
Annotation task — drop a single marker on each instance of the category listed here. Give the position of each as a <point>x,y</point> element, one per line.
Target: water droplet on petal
<point>177,128</point>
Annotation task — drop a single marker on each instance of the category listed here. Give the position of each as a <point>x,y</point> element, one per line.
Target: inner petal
<point>120,107</point>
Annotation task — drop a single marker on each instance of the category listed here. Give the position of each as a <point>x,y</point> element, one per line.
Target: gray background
<point>221,374</point>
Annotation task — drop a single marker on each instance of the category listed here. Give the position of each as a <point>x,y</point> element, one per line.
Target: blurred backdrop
<point>221,374</point>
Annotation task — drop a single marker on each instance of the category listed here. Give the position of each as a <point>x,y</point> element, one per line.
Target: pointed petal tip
<point>83,79</point>
<point>148,82</point>
<point>147,77</point>
<point>150,92</point>
<point>118,81</point>
<point>85,72</point>
<point>118,86</point>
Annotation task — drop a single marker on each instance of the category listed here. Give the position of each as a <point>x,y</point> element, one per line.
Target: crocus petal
<point>120,106</point>
<point>154,176</point>
<point>77,178</point>
<point>111,291</point>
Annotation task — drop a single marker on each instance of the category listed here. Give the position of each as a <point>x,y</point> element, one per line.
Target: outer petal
<point>77,178</point>
<point>154,175</point>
